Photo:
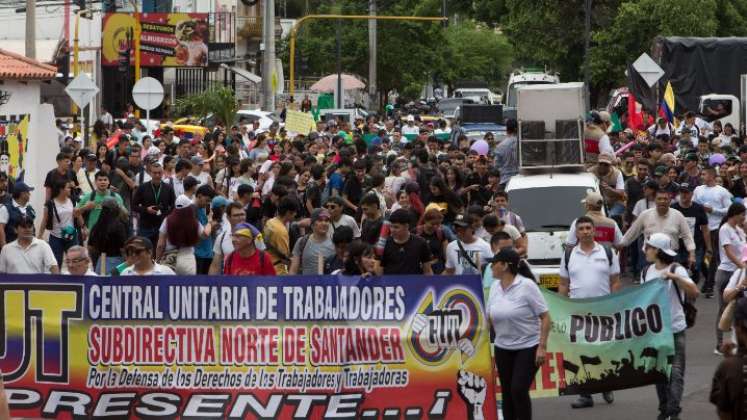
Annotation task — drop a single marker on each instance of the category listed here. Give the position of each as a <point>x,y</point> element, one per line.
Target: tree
<point>481,54</point>
<point>218,100</point>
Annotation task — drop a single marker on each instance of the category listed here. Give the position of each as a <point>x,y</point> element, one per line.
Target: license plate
<point>550,281</point>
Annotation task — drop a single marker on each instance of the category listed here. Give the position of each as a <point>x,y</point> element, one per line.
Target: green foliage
<point>477,53</point>
<point>218,100</point>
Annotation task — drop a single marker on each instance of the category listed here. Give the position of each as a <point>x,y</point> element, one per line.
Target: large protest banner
<point>623,340</point>
<point>227,347</point>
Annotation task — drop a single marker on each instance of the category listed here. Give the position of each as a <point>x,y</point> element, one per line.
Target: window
<point>715,109</point>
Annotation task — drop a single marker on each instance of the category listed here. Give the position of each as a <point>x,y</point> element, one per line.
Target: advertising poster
<point>166,39</point>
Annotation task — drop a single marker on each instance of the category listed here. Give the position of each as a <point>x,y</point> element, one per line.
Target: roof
<point>45,48</point>
<point>581,179</point>
<point>17,67</point>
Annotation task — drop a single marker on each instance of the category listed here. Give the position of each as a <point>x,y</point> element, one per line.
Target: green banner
<point>623,340</point>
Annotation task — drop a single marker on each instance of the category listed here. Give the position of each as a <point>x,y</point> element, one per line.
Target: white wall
<point>24,99</point>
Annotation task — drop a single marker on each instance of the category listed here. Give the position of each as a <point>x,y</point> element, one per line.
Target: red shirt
<point>236,265</point>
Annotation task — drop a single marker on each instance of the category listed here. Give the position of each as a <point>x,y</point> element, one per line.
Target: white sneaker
<point>717,352</point>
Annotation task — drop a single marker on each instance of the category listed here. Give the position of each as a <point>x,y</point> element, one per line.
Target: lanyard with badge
<point>157,195</point>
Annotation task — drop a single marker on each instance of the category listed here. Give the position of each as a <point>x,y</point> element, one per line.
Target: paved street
<point>641,403</point>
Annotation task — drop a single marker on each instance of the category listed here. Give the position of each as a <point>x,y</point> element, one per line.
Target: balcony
<point>250,27</point>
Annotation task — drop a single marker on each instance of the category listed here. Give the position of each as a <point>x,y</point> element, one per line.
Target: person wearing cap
<point>27,254</point>
<point>467,253</point>
<point>596,140</point>
<point>87,175</point>
<point>139,251</point>
<point>728,384</point>
<point>179,232</point>
<point>691,174</point>
<point>198,173</point>
<point>405,253</point>
<point>611,184</point>
<point>662,257</point>
<point>12,210</point>
<point>697,220</point>
<point>276,234</point>
<point>588,270</point>
<point>520,320</point>
<point>410,128</point>
<point>246,259</point>
<point>153,201</point>
<point>310,251</point>
<point>716,200</point>
<point>606,230</point>
<point>661,175</point>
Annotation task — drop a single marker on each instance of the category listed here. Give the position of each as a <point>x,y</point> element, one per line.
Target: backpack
<point>302,246</point>
<point>691,312</point>
<point>569,252</point>
<point>229,262</point>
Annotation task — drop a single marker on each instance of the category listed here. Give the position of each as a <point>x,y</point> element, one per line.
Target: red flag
<point>635,119</point>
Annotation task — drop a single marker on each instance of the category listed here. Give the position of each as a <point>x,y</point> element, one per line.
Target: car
<point>449,107</point>
<point>530,196</point>
<point>265,118</point>
<point>477,131</point>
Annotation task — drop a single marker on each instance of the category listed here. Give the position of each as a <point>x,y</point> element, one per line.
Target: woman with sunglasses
<point>139,250</point>
<point>520,322</point>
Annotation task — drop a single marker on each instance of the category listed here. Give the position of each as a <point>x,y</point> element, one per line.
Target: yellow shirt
<point>277,241</point>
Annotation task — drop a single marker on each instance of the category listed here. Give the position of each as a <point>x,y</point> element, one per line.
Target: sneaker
<point>717,352</point>
<point>583,402</point>
<point>708,294</point>
<point>609,397</point>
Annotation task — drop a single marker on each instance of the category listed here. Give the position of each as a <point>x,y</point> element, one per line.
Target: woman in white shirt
<point>521,323</point>
<point>58,219</point>
<point>662,257</point>
<point>731,240</point>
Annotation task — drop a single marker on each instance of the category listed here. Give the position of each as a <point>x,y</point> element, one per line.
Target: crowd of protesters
<point>392,195</point>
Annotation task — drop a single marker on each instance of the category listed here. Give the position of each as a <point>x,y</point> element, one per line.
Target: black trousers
<point>203,265</point>
<point>516,370</point>
<point>713,265</point>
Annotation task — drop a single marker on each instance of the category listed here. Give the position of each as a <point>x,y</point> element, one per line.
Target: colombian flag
<point>666,107</point>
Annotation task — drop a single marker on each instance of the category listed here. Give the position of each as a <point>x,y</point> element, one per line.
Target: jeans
<point>713,266</point>
<point>516,369</point>
<point>683,258</point>
<point>203,265</point>
<point>722,279</point>
<point>670,393</point>
<point>59,246</point>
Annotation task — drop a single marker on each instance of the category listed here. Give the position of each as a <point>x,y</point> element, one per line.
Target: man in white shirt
<point>139,250</point>
<point>467,253</point>
<point>337,218</point>
<point>410,127</point>
<point>77,262</point>
<point>87,175</point>
<point>27,254</point>
<point>716,200</point>
<point>588,270</point>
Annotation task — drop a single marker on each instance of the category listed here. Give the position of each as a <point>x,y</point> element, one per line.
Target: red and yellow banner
<point>246,348</point>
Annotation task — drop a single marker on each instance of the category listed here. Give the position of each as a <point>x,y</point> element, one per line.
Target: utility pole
<point>340,93</point>
<point>587,36</point>
<point>268,56</point>
<point>31,29</point>
<point>372,46</point>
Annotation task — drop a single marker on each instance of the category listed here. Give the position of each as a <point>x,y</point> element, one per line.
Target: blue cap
<point>21,186</point>
<point>218,201</point>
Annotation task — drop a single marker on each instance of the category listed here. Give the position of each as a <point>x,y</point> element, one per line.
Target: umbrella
<point>328,83</point>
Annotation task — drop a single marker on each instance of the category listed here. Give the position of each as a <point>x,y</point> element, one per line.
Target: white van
<point>548,203</point>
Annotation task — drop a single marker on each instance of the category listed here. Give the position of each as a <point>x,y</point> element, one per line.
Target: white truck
<point>547,194</point>
<point>521,78</point>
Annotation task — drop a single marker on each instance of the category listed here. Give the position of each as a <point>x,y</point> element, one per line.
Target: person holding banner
<point>520,321</point>
<point>588,270</point>
<point>662,257</point>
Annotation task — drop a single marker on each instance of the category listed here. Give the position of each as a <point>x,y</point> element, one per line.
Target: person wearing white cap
<point>611,183</point>
<point>178,235</point>
<point>606,230</point>
<point>410,127</point>
<point>661,256</point>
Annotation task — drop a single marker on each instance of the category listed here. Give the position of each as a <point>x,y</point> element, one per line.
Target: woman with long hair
<point>99,133</point>
<point>520,322</point>
<point>731,240</point>
<point>360,260</point>
<point>179,233</point>
<point>58,219</point>
<point>101,151</point>
<point>226,180</point>
<point>108,236</point>
<point>441,194</point>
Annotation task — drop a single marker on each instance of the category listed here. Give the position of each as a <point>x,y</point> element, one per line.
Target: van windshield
<point>548,209</point>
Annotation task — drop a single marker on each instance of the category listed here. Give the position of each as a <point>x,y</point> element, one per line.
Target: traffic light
<point>124,61</point>
<point>81,4</point>
<point>62,62</point>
